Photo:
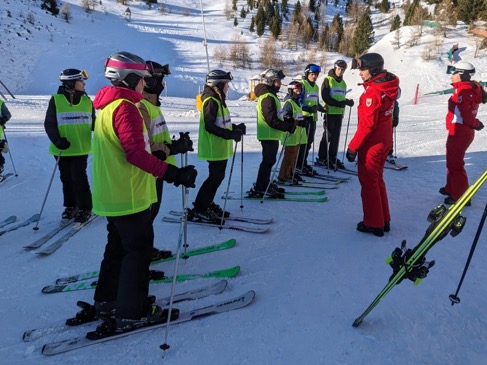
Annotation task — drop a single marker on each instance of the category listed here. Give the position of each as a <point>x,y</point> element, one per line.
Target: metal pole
<point>228,185</point>
<point>204,35</point>
<point>241,173</point>
<point>47,192</point>
<point>9,151</point>
<point>346,135</point>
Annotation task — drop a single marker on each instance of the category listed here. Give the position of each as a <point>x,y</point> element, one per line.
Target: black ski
<point>239,227</point>
<point>28,221</point>
<point>391,164</point>
<point>241,301</point>
<point>235,218</point>
<point>8,221</point>
<point>42,240</point>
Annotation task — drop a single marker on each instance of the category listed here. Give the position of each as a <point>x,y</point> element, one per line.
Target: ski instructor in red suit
<point>373,140</point>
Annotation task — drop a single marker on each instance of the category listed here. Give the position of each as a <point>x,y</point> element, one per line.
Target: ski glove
<point>161,155</point>
<point>480,126</point>
<point>62,143</point>
<point>313,109</point>
<point>236,134</point>
<point>241,127</point>
<point>3,146</point>
<point>3,120</point>
<point>349,102</point>
<point>184,175</point>
<point>182,145</point>
<point>302,123</point>
<point>351,155</point>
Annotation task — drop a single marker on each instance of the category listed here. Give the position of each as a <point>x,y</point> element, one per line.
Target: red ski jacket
<point>463,106</point>
<point>375,109</point>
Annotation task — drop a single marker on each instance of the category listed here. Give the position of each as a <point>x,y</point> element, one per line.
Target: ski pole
<point>9,152</point>
<point>395,143</point>
<point>228,185</point>
<point>165,346</point>
<point>346,134</point>
<point>241,173</point>
<point>305,147</point>
<point>325,127</point>
<point>48,189</point>
<point>454,297</point>
<point>296,160</point>
<point>184,162</point>
<point>277,164</point>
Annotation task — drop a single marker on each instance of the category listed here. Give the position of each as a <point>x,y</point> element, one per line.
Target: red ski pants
<point>456,176</point>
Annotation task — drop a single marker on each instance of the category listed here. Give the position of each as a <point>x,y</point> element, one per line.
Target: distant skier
<point>373,140</point>
<point>68,124</point>
<point>461,123</point>
<point>4,118</point>
<point>333,93</point>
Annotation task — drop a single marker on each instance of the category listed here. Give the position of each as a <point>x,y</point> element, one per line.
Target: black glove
<point>313,109</point>
<point>395,122</point>
<point>349,102</point>
<point>480,126</point>
<point>182,145</point>
<point>62,144</point>
<point>236,134</point>
<point>2,144</point>
<point>303,123</point>
<point>3,120</point>
<point>351,155</point>
<point>184,175</point>
<point>160,155</point>
<point>241,127</point>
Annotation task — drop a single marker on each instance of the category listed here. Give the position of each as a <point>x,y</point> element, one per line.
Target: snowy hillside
<point>313,273</point>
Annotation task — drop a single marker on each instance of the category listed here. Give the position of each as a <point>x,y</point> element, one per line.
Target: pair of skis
<point>412,263</point>
<point>94,337</point>
<point>54,246</point>
<point>12,219</point>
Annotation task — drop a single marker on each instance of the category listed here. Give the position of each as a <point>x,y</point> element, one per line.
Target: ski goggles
<point>356,64</point>
<point>82,75</point>
<point>158,71</point>
<point>452,70</point>
<point>314,69</point>
<point>297,87</point>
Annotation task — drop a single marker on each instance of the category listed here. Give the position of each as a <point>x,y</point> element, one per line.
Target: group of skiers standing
<point>130,144</point>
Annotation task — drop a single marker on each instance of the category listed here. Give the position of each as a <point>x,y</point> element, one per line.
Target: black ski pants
<point>332,124</point>
<point>154,208</point>
<point>208,189</point>
<point>304,148</point>
<point>124,271</point>
<point>76,188</point>
<point>269,153</point>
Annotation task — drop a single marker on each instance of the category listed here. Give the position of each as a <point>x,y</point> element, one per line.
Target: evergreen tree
<point>276,25</point>
<point>297,11</point>
<point>410,12</point>
<point>51,6</point>
<point>235,22</point>
<point>396,23</point>
<point>260,21</point>
<point>312,6</point>
<point>470,10</point>
<point>269,12</point>
<point>252,25</point>
<point>336,33</point>
<point>363,37</point>
<point>284,7</point>
<point>243,13</point>
<point>384,6</point>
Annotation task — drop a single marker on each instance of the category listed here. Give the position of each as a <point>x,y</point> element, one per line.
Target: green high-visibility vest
<point>300,135</point>
<point>74,123</point>
<point>211,147</point>
<point>159,133</point>
<point>311,97</point>
<point>264,131</point>
<point>338,92</point>
<point>119,188</point>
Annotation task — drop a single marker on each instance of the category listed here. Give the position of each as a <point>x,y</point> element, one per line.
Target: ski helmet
<point>69,77</point>
<point>340,63</point>
<point>465,69</point>
<point>270,75</point>
<point>369,61</point>
<point>294,86</point>
<point>125,68</point>
<point>215,77</point>
<point>312,68</point>
<point>154,84</point>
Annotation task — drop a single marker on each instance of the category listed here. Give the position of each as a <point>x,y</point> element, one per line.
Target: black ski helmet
<point>154,83</point>
<point>125,69</point>
<point>369,61</point>
<point>217,77</point>
<point>340,63</point>
<point>69,77</point>
<point>294,85</point>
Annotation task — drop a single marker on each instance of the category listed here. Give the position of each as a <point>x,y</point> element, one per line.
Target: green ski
<point>89,284</point>
<point>190,253</point>
<point>321,199</point>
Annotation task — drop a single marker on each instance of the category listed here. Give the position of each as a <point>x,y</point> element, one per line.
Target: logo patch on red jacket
<point>368,102</point>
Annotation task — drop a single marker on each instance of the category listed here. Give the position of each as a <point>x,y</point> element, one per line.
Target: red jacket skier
<point>461,123</point>
<point>373,140</point>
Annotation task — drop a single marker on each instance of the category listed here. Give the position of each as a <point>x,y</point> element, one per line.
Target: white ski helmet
<point>125,68</point>
<point>270,75</point>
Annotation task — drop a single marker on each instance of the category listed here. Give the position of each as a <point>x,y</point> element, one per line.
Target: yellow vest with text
<point>337,92</point>
<point>74,123</point>
<point>264,131</point>
<point>311,97</point>
<point>159,133</point>
<point>299,136</point>
<point>119,188</point>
